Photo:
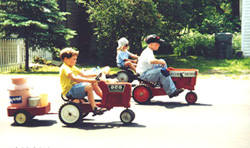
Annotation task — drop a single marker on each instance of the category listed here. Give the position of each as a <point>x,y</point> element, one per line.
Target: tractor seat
<point>65,98</point>
<point>123,68</point>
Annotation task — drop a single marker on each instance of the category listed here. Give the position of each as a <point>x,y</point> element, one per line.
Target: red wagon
<point>183,78</point>
<point>22,115</point>
<point>114,95</point>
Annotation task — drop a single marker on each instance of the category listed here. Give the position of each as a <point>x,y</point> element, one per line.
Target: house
<point>245,27</point>
<point>78,21</point>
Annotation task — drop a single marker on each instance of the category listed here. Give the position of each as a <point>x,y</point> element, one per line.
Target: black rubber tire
<point>131,76</point>
<point>142,94</point>
<point>191,97</point>
<point>127,116</point>
<point>123,76</point>
<point>22,117</point>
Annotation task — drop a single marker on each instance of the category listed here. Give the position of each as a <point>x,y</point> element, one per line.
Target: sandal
<point>99,111</point>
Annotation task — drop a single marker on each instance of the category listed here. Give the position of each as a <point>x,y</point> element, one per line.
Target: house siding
<point>78,21</point>
<point>245,29</point>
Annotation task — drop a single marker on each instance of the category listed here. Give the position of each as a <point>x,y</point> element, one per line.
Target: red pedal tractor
<point>183,78</point>
<point>114,95</point>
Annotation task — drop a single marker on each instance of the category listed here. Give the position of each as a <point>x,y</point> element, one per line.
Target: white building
<point>245,27</point>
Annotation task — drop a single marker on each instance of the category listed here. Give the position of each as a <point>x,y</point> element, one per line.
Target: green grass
<point>37,70</point>
<point>209,65</point>
<point>206,66</point>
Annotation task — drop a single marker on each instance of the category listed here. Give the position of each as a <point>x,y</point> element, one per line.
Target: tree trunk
<point>235,8</point>
<point>27,55</point>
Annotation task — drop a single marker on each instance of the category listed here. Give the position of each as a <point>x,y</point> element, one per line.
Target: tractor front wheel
<point>127,116</point>
<point>191,97</point>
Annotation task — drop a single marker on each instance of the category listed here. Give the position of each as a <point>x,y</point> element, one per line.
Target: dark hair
<point>68,53</point>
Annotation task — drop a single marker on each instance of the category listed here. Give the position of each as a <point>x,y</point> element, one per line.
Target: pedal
<point>98,76</point>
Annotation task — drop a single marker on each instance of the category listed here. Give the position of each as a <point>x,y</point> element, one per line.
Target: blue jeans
<point>155,75</point>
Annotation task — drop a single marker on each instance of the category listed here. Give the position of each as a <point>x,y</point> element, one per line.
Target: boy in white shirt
<point>154,70</point>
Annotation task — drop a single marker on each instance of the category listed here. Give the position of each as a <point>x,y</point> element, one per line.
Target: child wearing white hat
<point>122,58</point>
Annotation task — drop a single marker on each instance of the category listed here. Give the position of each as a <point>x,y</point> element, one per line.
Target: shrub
<point>236,42</point>
<point>41,60</point>
<point>194,43</point>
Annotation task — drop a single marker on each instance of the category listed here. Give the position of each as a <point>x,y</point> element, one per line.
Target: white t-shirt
<point>144,64</point>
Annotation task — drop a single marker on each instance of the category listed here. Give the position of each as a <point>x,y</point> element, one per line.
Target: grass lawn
<point>209,65</point>
<point>206,66</point>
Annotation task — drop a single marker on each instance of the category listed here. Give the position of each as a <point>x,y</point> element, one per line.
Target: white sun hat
<point>122,41</point>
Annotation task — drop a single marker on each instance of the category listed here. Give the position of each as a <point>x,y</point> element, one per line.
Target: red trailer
<point>114,95</point>
<point>22,115</point>
<point>183,78</point>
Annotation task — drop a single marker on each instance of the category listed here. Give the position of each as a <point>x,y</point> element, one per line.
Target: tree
<point>135,19</point>
<point>205,16</point>
<point>37,22</point>
<point>213,16</point>
<point>113,19</point>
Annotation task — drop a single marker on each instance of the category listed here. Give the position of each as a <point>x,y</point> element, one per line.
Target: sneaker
<point>176,93</point>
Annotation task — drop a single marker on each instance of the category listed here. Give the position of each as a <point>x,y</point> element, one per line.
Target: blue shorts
<point>121,64</point>
<point>77,91</point>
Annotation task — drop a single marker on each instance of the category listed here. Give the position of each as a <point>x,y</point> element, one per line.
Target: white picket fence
<point>12,54</point>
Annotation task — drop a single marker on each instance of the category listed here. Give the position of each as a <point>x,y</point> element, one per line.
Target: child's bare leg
<point>97,90</point>
<point>130,64</point>
<point>89,90</point>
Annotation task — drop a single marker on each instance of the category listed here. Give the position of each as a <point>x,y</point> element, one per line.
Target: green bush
<point>194,43</point>
<point>199,44</point>
<point>236,42</point>
<point>41,60</point>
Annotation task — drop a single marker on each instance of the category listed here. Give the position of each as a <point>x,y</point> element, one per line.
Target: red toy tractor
<point>183,78</point>
<point>114,95</point>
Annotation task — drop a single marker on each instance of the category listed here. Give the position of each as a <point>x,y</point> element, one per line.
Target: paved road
<point>221,118</point>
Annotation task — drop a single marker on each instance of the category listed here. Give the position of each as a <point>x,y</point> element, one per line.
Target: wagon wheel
<point>142,94</point>
<point>127,116</point>
<point>70,113</point>
<point>191,97</point>
<point>22,117</point>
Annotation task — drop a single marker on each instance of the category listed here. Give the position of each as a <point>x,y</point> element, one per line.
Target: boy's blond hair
<point>68,53</point>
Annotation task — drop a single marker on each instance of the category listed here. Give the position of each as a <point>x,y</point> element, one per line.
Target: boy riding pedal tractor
<point>75,83</point>
<point>155,70</point>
